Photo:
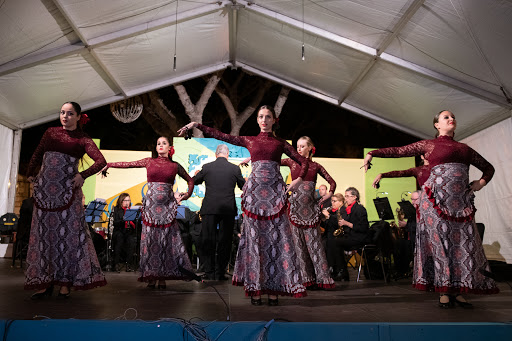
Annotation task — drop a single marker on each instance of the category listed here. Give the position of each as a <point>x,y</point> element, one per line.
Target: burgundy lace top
<point>159,169</point>
<point>313,169</point>
<point>264,146</point>
<point>441,150</point>
<point>74,143</point>
<point>421,174</point>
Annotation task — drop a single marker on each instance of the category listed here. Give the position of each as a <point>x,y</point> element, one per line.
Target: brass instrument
<point>339,231</point>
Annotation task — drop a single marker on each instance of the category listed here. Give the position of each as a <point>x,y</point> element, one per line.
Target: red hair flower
<point>84,119</point>
<point>171,151</point>
<point>313,150</point>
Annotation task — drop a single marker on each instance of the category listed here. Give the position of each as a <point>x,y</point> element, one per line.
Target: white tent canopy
<point>395,61</point>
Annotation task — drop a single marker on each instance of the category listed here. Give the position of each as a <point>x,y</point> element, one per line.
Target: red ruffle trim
<point>455,290</point>
<point>326,285</point>
<point>41,286</point>
<point>147,223</point>
<point>162,278</point>
<point>57,209</point>
<point>271,217</point>
<point>442,214</point>
<point>301,226</point>
<point>270,292</point>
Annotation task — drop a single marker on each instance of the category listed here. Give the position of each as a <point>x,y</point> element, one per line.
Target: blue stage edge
<point>170,329</point>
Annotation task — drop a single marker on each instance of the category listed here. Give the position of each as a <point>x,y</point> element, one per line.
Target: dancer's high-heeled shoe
<point>38,295</point>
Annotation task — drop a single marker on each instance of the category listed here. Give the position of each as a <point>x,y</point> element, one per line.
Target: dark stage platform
<point>125,298</point>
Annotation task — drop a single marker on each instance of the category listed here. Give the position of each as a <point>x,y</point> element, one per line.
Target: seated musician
<point>356,228</point>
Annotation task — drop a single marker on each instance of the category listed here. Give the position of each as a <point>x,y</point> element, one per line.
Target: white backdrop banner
<point>494,201</point>
<point>6,142</point>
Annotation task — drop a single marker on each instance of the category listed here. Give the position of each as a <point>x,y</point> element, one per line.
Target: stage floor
<point>125,298</point>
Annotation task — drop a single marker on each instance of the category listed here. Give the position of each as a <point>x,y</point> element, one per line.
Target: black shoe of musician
<point>128,268</point>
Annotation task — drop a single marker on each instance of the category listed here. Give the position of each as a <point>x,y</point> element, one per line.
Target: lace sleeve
<point>183,173</point>
<point>37,157</point>
<point>328,178</point>
<point>413,149</point>
<point>99,161</point>
<point>292,153</point>
<point>482,164</point>
<point>401,173</point>
<point>211,132</point>
<point>133,164</point>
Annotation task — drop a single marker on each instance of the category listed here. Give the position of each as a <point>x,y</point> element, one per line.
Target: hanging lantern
<point>127,110</point>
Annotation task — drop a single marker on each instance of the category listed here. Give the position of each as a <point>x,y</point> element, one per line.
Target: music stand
<point>132,214</point>
<point>408,209</point>
<point>383,208</point>
<point>94,210</point>
<point>183,213</point>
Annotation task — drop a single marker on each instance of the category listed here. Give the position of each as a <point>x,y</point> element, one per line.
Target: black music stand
<point>93,211</point>
<point>383,208</point>
<point>408,209</point>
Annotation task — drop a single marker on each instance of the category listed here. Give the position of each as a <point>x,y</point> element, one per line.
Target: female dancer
<point>449,253</point>
<point>266,262</point>
<point>162,251</point>
<point>304,213</point>
<point>60,250</point>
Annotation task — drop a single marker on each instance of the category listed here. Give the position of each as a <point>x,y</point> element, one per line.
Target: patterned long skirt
<point>162,251</point>
<point>449,252</point>
<point>60,250</point>
<point>267,262</point>
<point>304,213</point>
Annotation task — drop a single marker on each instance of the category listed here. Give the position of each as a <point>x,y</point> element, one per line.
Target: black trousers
<point>216,244</point>
<point>336,248</point>
<point>124,240</point>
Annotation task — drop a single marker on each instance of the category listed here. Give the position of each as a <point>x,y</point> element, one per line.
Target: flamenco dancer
<point>266,262</point>
<point>304,213</point>
<point>61,250</point>
<point>449,253</point>
<point>162,251</point>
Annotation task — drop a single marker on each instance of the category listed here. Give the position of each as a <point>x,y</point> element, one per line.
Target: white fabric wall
<point>6,144</point>
<point>494,201</point>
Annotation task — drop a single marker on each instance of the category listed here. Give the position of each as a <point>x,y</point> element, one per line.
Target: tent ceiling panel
<point>96,17</point>
<point>148,58</point>
<point>412,100</point>
<point>367,22</point>
<point>28,27</point>
<point>328,67</point>
<point>459,39</point>
<point>40,90</point>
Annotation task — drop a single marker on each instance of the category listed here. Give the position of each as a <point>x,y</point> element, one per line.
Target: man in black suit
<point>356,228</point>
<point>218,208</point>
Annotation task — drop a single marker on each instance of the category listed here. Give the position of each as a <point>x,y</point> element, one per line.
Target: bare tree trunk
<point>281,100</point>
<point>195,112</point>
<point>239,118</point>
<point>159,117</point>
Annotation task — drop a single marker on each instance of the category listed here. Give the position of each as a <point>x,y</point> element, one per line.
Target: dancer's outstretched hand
<point>375,183</point>
<point>367,162</point>
<point>183,130</point>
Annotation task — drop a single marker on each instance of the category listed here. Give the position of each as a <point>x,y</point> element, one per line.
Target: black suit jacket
<point>360,232</point>
<point>220,177</point>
